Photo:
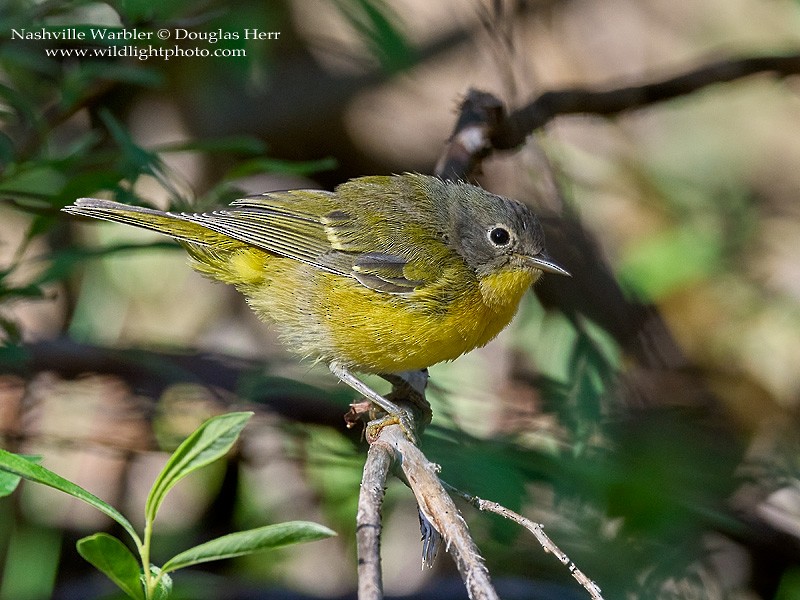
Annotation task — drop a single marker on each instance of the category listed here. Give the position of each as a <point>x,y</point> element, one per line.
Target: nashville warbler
<point>384,275</point>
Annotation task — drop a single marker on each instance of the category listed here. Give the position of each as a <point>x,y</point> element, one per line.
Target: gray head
<point>492,232</point>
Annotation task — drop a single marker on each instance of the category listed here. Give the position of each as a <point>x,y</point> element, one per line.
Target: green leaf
<point>272,165</point>
<point>11,330</point>
<point>29,291</point>
<point>163,587</point>
<point>33,180</point>
<point>247,542</point>
<point>210,441</point>
<point>119,72</point>
<point>18,465</point>
<point>790,585</point>
<point>372,21</point>
<point>110,556</point>
<point>673,259</point>
<point>6,143</point>
<point>239,144</point>
<point>19,103</point>
<point>10,481</point>
<point>133,160</point>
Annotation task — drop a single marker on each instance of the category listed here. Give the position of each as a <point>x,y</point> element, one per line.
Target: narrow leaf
<point>273,165</point>
<point>241,144</point>
<point>209,442</point>
<point>163,589</point>
<point>17,465</point>
<point>110,556</point>
<point>10,481</point>
<point>247,542</point>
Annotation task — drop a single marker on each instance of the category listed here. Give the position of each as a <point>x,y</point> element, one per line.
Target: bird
<point>383,275</point>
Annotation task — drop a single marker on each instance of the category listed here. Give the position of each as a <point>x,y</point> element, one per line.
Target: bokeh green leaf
<point>110,556</point>
<point>22,467</point>
<point>247,542</point>
<point>212,440</point>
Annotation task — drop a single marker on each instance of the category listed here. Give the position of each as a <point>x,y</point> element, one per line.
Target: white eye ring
<point>499,236</point>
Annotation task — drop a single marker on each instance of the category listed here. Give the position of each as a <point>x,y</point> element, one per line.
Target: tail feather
<point>171,224</point>
<point>213,254</point>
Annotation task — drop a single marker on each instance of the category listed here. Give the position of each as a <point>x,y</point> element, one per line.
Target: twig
<point>535,115</point>
<point>390,444</point>
<point>484,125</point>
<point>437,506</point>
<point>368,522</point>
<point>537,531</point>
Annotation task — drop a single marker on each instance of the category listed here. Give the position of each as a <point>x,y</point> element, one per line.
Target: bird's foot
<point>403,417</point>
<point>404,388</point>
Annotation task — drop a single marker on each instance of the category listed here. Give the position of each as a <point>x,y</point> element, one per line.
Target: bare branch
<point>437,506</point>
<point>483,124</point>
<point>537,531</point>
<point>522,122</point>
<point>368,522</point>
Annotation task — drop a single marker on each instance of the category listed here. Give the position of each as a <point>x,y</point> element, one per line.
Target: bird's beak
<point>544,263</point>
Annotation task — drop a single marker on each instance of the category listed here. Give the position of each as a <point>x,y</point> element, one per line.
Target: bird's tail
<point>213,254</point>
<point>172,224</point>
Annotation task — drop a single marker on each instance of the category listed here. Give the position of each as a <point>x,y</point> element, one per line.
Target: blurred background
<point>652,426</point>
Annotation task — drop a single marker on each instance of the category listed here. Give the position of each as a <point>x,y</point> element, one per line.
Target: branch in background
<point>481,115</point>
<point>520,123</point>
<point>592,291</point>
<point>484,126</point>
<point>150,373</point>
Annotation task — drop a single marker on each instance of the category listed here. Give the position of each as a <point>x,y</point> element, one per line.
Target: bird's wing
<point>275,223</point>
<point>380,249</point>
<point>305,225</point>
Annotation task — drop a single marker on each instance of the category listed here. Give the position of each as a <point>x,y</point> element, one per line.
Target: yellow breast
<point>399,334</point>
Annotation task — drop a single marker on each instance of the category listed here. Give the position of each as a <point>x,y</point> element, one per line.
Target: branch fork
<point>392,451</point>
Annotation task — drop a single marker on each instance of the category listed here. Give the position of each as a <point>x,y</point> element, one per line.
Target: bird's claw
<point>402,417</point>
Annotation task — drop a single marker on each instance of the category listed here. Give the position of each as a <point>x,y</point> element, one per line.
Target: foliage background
<point>671,482</point>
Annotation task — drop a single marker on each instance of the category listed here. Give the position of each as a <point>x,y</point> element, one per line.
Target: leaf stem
<point>144,552</point>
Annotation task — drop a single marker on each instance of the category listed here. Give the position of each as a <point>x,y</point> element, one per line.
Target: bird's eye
<point>499,236</point>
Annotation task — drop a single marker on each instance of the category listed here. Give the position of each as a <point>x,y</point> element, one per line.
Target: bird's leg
<point>410,386</point>
<point>395,414</point>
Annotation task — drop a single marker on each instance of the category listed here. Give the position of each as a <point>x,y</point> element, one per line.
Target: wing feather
<point>315,227</point>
